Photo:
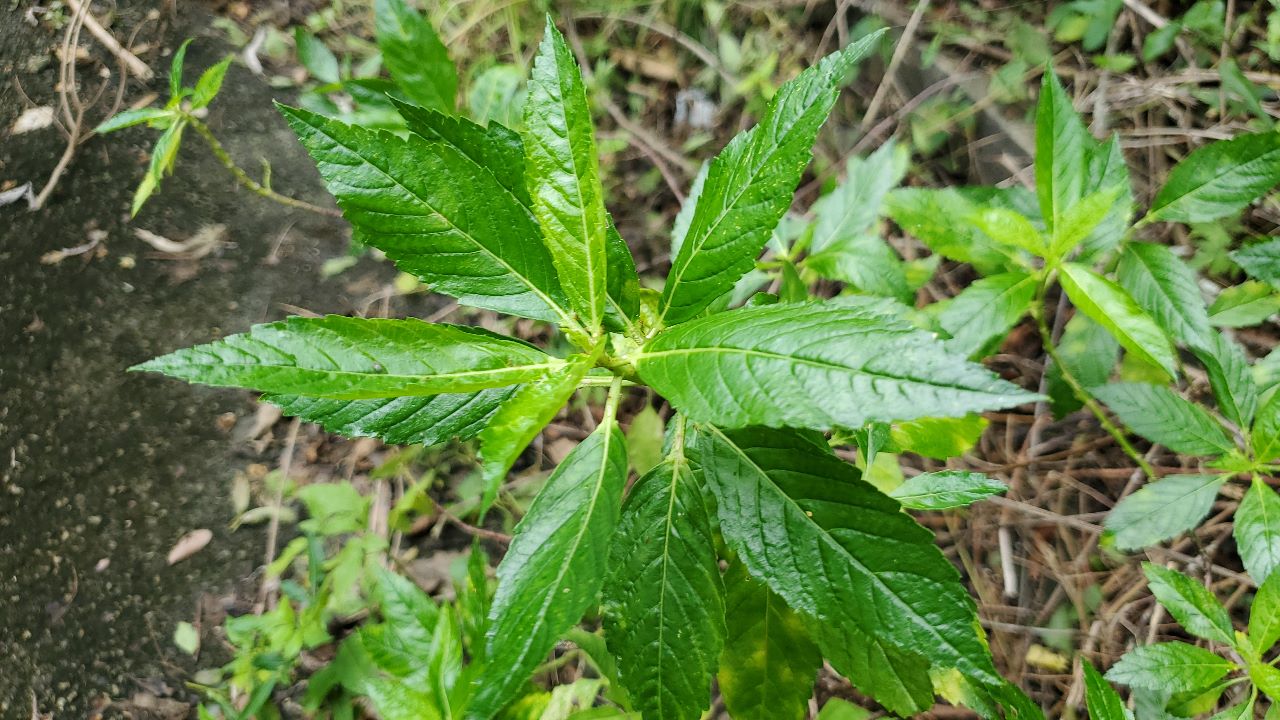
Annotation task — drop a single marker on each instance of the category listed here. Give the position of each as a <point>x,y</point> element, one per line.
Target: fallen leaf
<point>189,544</point>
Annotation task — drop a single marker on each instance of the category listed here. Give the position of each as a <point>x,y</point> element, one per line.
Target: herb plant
<point>516,223</point>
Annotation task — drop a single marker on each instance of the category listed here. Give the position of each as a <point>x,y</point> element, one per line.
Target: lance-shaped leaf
<point>555,566</point>
<point>946,489</point>
<point>1158,414</point>
<point>402,197</point>
<point>1107,304</point>
<point>749,186</point>
<point>814,365</point>
<point>1190,603</point>
<point>1103,701</point>
<point>1261,261</point>
<point>563,175</point>
<point>1089,352</point>
<point>1257,530</point>
<point>1063,146</point>
<point>1163,509</point>
<point>411,420</point>
<point>1166,288</point>
<point>939,218</point>
<point>769,663</point>
<point>1107,170</point>
<point>840,552</point>
<point>1264,614</point>
<point>984,311</point>
<point>664,606</point>
<point>1169,667</point>
<point>347,358</point>
<point>519,420</point>
<point>1219,179</point>
<point>852,209</point>
<point>415,56</point>
<point>1231,379</point>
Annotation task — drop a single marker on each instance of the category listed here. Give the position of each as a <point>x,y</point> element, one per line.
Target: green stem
<point>1046,337</point>
<point>615,397</point>
<point>243,178</point>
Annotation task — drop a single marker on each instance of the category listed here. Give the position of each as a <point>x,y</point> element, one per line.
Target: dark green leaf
<point>814,365</point>
<point>520,419</point>
<point>412,420</point>
<point>1219,179</point>
<point>842,553</point>
<point>1167,289</point>
<point>1264,614</point>
<point>414,55</point>
<point>1110,306</point>
<point>983,312</point>
<point>357,358</point>
<point>1162,509</point>
<point>749,186</point>
<point>494,148</point>
<point>1260,260</point>
<point>564,176</point>
<point>1231,379</point>
<point>1257,530</point>
<point>1190,603</point>
<point>769,663</point>
<point>1103,701</point>
<point>555,566</point>
<point>946,489</point>
<point>664,604</point>
<point>318,59</point>
<point>1169,667</point>
<point>401,195</point>
<point>1161,415</point>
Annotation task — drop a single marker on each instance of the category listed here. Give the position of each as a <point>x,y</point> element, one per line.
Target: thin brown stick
<point>138,68</point>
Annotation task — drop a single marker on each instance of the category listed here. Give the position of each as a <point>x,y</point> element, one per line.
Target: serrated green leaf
<point>396,701</point>
<point>1231,379</point>
<point>749,187</point>
<point>129,118</point>
<point>163,155</point>
<point>1110,306</point>
<point>1257,530</point>
<point>1011,229</point>
<point>1243,711</point>
<point>1107,169</point>
<point>210,83</point>
<point>799,519</point>
<point>1219,179</point>
<point>493,147</point>
<point>1267,679</point>
<point>852,209</point>
<point>175,69</point>
<point>866,263</point>
<point>1260,260</point>
<point>345,358</point>
<point>1264,436</point>
<point>318,59</point>
<point>401,196</point>
<point>1080,220</point>
<point>414,55</point>
<point>1264,615</point>
<point>498,95</point>
<point>1167,289</point>
<point>1169,667</point>
<point>1162,509</point>
<point>1089,352</point>
<point>985,311</point>
<point>1063,145</point>
<point>938,438</point>
<point>555,565</point>
<point>938,218</point>
<point>1245,305</point>
<point>946,489</point>
<point>1103,701</point>
<point>1161,415</point>
<point>563,176</point>
<point>520,419</point>
<point>411,420</point>
<point>664,603</point>
<point>417,642</point>
<point>816,365</point>
<point>1190,603</point>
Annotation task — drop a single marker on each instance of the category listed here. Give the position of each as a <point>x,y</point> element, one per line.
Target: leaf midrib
<point>1227,168</point>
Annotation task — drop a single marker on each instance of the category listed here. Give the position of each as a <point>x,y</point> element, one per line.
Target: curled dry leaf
<point>189,544</point>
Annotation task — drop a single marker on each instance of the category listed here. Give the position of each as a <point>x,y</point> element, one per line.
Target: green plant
<point>516,223</point>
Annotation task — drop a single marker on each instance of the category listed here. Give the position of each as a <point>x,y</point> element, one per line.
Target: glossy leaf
<point>414,55</point>
<point>520,419</point>
<point>1231,379</point>
<point>842,553</point>
<point>946,489</point>
<point>163,155</point>
<point>1190,603</point>
<point>1219,179</point>
<point>563,175</point>
<point>1160,415</point>
<point>493,147</point>
<point>1103,701</point>
<point>347,358</point>
<point>411,420</point>
<point>1167,290</point>
<point>769,663</point>
<point>401,196</point>
<point>1162,509</point>
<point>1264,614</point>
<point>1110,306</point>
<point>1260,260</point>
<point>1257,530</point>
<point>749,186</point>
<point>555,565</point>
<point>664,605</point>
<point>814,365</point>
<point>1169,667</point>
<point>985,311</point>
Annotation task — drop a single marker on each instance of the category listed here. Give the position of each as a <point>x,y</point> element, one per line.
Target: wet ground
<point>102,471</point>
